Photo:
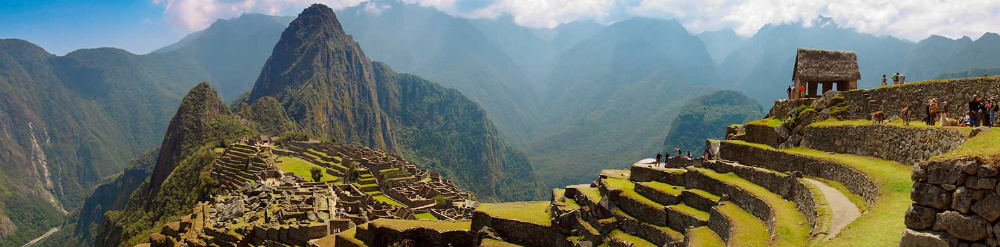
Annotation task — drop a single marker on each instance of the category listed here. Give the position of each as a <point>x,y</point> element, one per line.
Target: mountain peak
<point>186,130</point>
<point>318,15</point>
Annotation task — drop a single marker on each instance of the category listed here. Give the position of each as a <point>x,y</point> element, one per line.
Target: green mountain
<point>68,122</point>
<point>706,117</point>
<point>450,51</point>
<point>930,56</point>
<point>330,89</point>
<point>720,43</point>
<point>969,73</point>
<point>180,177</point>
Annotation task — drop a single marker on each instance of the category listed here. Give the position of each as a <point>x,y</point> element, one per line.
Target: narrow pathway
<point>40,238</point>
<point>843,210</point>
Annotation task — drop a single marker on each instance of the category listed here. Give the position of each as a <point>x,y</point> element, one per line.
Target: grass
<point>489,242</point>
<point>787,220</point>
<point>425,216</point>
<point>688,210</point>
<point>626,238</point>
<point>983,145</point>
<point>301,167</point>
<point>628,190</point>
<point>705,194</point>
<point>929,82</point>
<point>440,225</point>
<point>747,230</point>
<point>386,199</point>
<point>770,122</point>
<point>704,237</point>
<point>883,224</point>
<point>594,194</point>
<point>897,123</point>
<point>664,187</point>
<point>824,214</point>
<point>531,212</point>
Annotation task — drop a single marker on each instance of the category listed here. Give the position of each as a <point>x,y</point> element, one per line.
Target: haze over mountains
<point>573,99</point>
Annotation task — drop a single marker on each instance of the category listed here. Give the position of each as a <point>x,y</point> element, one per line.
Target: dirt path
<point>844,211</point>
<point>47,234</point>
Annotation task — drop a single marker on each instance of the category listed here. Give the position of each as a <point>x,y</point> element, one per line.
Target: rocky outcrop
<point>955,202</point>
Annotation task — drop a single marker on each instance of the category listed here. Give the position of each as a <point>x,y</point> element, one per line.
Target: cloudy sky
<point>141,26</point>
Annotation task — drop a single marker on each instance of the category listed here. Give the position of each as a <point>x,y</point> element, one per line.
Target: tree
<point>316,173</point>
<point>352,166</point>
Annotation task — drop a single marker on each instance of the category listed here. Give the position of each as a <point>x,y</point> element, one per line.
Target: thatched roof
<point>826,66</point>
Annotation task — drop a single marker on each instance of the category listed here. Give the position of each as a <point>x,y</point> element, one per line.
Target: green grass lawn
<point>532,212</point>
<point>983,145</point>
<point>386,199</point>
<point>685,209</point>
<point>438,225</point>
<point>787,221</point>
<point>663,187</point>
<point>747,229</point>
<point>704,237</point>
<point>301,167</point>
<point>883,224</point>
<point>425,216</point>
<point>898,123</point>
<point>635,241</point>
<point>770,122</point>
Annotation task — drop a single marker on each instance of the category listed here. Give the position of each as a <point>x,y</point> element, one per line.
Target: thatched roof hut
<point>824,68</point>
<point>826,65</point>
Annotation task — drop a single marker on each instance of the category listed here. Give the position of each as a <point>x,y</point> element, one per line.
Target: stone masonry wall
<point>956,92</point>
<point>786,186</point>
<point>783,107</point>
<point>955,203</point>
<point>907,145</point>
<point>854,180</point>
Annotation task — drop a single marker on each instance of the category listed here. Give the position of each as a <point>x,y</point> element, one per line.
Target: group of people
<point>796,92</point>
<point>896,79</point>
<point>981,113</point>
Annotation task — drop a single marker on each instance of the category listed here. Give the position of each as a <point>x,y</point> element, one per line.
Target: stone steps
<point>738,227</point>
<point>788,225</point>
<point>622,193</point>
<point>703,237</point>
<point>657,235</point>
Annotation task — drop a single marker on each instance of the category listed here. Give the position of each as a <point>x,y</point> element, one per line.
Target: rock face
<point>325,81</point>
<point>955,203</point>
<point>329,88</point>
<point>198,108</point>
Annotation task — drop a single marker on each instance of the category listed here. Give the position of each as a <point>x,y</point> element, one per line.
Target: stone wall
<point>783,107</point>
<point>520,232</point>
<point>907,145</point>
<point>955,203</point>
<point>786,186</point>
<point>763,134</point>
<point>667,176</point>
<point>854,180</point>
<point>742,198</point>
<point>956,92</point>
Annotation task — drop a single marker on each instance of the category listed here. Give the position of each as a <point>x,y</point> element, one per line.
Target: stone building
<point>815,68</point>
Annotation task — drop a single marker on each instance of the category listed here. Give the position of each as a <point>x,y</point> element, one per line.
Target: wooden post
<point>827,86</point>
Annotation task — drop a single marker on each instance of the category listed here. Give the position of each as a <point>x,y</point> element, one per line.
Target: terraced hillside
<point>808,175</point>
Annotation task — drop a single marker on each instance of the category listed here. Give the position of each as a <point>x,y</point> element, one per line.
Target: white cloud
<point>193,15</point>
<point>908,19</point>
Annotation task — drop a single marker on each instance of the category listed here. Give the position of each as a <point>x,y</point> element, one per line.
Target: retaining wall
<point>906,145</point>
<point>958,92</point>
<point>955,203</point>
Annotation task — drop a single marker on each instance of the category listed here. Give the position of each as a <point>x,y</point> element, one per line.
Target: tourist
<point>689,154</point>
<point>929,120</point>
<point>802,91</point>
<point>981,113</point>
<point>966,121</point>
<point>895,78</point>
<point>678,151</point>
<point>707,155</point>
<point>883,80</point>
<point>993,111</point>
<point>789,92</point>
<point>902,79</point>
<point>973,108</point>
<point>658,157</point>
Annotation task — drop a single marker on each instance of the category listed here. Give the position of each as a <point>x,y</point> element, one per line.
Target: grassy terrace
<point>664,187</point>
<point>787,230</point>
<point>635,241</point>
<point>301,167</point>
<point>628,190</point>
<point>386,199</point>
<point>705,194</point>
<point>824,214</point>
<point>704,237</point>
<point>593,194</point>
<point>425,216</point>
<point>531,212</point>
<point>984,145</point>
<point>883,223</point>
<point>688,210</point>
<point>440,226</point>
<point>747,230</point>
<point>771,122</point>
<point>898,123</point>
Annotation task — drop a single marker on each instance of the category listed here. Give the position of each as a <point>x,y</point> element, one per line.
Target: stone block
<point>962,199</point>
<point>930,195</point>
<point>943,173</point>
<point>988,207</point>
<point>912,238</point>
<point>972,228</point>
<point>920,217</point>
<point>981,183</point>
<point>987,171</point>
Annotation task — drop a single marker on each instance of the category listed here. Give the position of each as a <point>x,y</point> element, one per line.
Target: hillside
<point>704,117</point>
<point>332,90</point>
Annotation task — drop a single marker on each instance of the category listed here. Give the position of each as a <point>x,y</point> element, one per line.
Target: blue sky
<point>140,26</point>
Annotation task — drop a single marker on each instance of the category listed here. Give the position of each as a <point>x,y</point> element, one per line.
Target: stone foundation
<point>956,203</point>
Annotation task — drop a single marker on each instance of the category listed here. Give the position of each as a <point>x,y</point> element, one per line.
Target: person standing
<point>973,108</point>
<point>883,80</point>
<point>802,91</point>
<point>789,92</point>
<point>658,157</point>
<point>895,78</point>
<point>993,111</point>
